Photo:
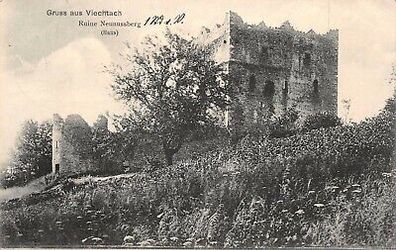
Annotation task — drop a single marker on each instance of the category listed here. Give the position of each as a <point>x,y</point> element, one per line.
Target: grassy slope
<point>325,187</point>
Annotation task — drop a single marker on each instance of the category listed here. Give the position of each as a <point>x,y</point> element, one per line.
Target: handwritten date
<point>159,20</point>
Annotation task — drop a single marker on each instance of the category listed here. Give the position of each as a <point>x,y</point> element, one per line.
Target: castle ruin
<point>272,70</point>
<point>71,145</point>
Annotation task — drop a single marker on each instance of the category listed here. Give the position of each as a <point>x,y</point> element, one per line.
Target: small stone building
<point>272,70</point>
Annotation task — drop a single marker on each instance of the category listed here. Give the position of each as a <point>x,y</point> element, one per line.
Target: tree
<point>112,149</point>
<point>103,151</point>
<point>126,137</point>
<point>171,87</point>
<point>32,155</point>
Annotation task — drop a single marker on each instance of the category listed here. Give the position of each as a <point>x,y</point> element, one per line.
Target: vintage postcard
<point>197,124</point>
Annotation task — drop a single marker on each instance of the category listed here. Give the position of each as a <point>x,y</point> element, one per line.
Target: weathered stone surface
<point>274,69</point>
<point>71,145</point>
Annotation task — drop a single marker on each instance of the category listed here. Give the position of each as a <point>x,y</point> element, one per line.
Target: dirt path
<point>84,179</point>
<point>18,192</point>
<point>38,186</point>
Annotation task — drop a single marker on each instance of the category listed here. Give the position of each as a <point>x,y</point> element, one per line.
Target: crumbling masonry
<point>71,145</point>
<point>274,69</point>
<point>270,71</point>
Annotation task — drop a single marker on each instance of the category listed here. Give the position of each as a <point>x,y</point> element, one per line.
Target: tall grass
<point>326,187</point>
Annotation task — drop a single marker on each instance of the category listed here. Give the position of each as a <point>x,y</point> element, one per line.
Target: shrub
<point>320,120</point>
<point>328,186</point>
<point>285,125</point>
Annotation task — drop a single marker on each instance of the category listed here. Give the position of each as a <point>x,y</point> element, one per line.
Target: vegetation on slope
<point>328,186</point>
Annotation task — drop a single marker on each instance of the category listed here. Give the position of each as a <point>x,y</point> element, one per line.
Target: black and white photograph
<point>198,124</point>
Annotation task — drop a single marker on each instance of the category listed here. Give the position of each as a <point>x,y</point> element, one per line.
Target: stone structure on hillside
<point>271,70</point>
<point>274,69</point>
<point>71,145</point>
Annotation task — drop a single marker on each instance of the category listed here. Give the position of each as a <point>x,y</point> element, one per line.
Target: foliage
<point>129,134</point>
<point>32,155</point>
<point>171,87</point>
<point>320,120</point>
<point>104,149</point>
<point>326,187</point>
<point>285,125</point>
<point>185,205</point>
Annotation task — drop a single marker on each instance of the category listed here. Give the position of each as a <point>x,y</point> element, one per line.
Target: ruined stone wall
<point>71,145</point>
<point>217,40</point>
<point>275,69</point>
<point>56,139</point>
<point>218,37</point>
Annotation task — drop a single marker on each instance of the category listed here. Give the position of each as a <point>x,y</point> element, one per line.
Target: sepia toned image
<point>197,124</point>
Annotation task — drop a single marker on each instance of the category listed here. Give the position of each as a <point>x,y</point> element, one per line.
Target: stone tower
<point>56,142</point>
<point>274,69</point>
<point>71,145</point>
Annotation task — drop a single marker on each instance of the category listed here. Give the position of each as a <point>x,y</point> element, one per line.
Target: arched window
<point>315,87</point>
<point>264,54</point>
<point>268,93</point>
<point>307,59</point>
<point>315,91</point>
<point>269,89</point>
<point>285,92</point>
<point>252,83</point>
<point>285,87</point>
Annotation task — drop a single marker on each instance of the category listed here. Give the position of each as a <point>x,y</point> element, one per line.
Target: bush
<point>328,186</point>
<point>320,120</point>
<point>285,125</point>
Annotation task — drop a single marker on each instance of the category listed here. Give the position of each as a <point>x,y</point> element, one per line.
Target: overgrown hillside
<point>329,186</point>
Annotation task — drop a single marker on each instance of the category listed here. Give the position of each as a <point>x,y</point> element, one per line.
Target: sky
<point>48,64</point>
